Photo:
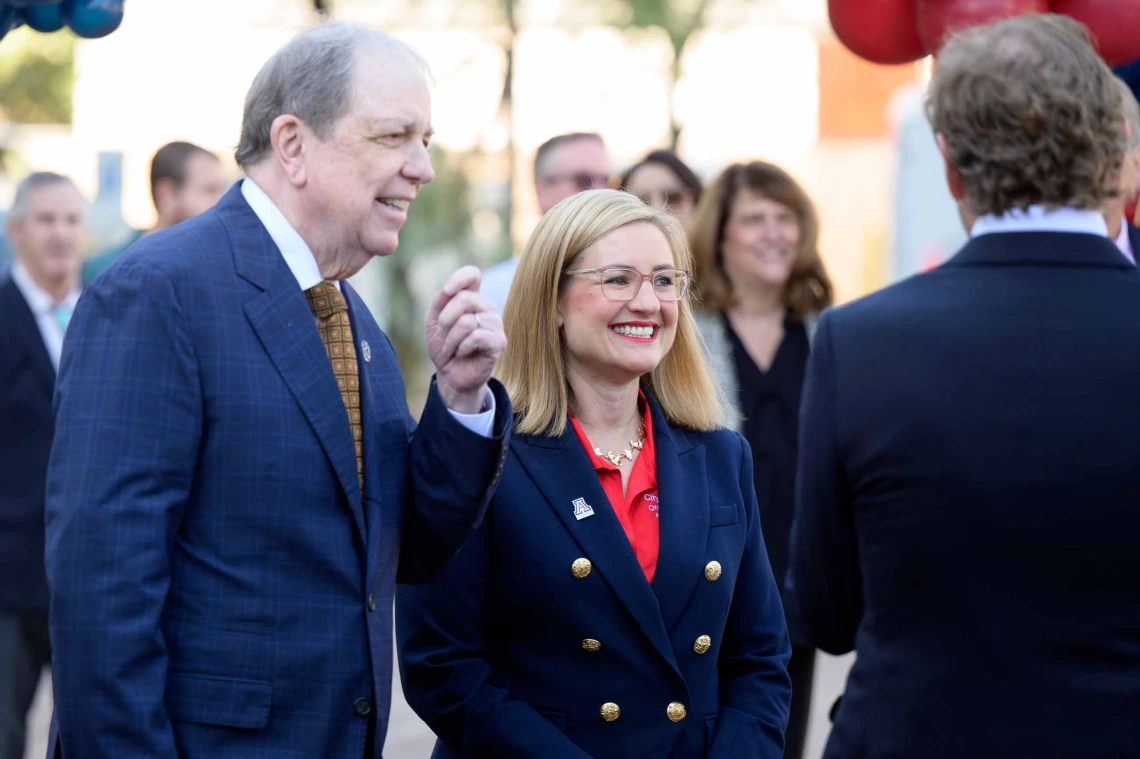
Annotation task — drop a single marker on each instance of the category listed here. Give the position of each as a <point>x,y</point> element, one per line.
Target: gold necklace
<point>617,458</point>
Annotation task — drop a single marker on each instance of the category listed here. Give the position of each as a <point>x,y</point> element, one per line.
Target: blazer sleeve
<point>129,420</point>
<point>454,473</point>
<point>824,584</point>
<point>756,691</point>
<point>439,633</point>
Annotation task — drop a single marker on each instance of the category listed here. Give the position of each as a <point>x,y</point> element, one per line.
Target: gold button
<point>676,712</point>
<point>712,571</point>
<point>581,568</point>
<point>591,645</point>
<point>610,712</point>
<point>703,644</point>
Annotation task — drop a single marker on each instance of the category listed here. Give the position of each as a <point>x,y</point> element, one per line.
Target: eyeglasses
<point>623,283</point>
<point>668,198</point>
<point>583,180</point>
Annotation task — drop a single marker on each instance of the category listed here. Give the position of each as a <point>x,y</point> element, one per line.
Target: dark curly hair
<point>1030,113</point>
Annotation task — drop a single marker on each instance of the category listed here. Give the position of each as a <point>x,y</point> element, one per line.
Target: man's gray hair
<point>30,184</point>
<point>1131,114</point>
<point>312,78</point>
<point>547,149</point>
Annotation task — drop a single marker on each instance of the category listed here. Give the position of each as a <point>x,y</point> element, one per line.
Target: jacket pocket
<point>723,516</point>
<point>223,701</point>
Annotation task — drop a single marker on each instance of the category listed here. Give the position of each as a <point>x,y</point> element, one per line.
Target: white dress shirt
<point>497,282</point>
<point>301,261</point>
<point>51,315</point>
<point>1040,219</point>
<point>1124,243</point>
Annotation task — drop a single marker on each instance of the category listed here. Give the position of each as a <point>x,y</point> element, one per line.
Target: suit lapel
<point>26,334</point>
<point>283,322</point>
<point>683,491</point>
<point>562,471</point>
<point>377,405</point>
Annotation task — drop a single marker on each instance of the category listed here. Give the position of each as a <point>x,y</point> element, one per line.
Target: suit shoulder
<point>185,252</point>
<point>893,302</point>
<point>722,441</point>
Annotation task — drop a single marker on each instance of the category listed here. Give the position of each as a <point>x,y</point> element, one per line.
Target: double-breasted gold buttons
<point>702,644</point>
<point>676,712</point>
<point>712,571</point>
<point>591,645</point>
<point>581,568</point>
<point>610,711</point>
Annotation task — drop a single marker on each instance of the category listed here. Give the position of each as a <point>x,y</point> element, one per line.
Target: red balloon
<point>1114,23</point>
<point>880,31</point>
<point>938,19</point>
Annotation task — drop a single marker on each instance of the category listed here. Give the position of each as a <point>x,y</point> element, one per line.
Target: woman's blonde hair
<point>533,369</point>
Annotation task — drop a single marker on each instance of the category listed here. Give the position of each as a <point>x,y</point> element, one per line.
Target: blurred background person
<point>46,230</point>
<point>664,181</point>
<point>588,618</point>
<point>761,287</point>
<point>1120,228</point>
<point>966,513</point>
<point>563,165</point>
<point>185,180</point>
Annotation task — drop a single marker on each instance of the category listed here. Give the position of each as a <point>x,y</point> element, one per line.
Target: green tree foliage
<point>37,76</point>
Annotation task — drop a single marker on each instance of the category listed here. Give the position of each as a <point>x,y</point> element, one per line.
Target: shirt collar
<point>1124,243</point>
<point>39,300</point>
<point>1040,219</point>
<point>296,252</point>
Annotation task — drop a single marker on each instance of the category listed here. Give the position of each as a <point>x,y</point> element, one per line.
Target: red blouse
<point>637,510</point>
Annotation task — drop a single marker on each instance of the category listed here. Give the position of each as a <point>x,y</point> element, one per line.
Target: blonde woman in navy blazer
<point>618,600</point>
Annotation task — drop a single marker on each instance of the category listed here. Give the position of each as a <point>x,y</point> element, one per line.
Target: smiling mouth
<point>400,204</point>
<point>626,330</point>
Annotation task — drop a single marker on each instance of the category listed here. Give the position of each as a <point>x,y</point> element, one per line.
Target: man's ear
<point>288,136</point>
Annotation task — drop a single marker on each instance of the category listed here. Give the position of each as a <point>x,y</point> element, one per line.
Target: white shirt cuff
<point>482,423</point>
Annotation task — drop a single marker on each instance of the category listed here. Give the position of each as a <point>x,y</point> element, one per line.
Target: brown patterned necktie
<point>331,310</point>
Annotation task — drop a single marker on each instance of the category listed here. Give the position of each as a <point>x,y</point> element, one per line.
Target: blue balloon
<point>93,18</point>
<point>44,18</point>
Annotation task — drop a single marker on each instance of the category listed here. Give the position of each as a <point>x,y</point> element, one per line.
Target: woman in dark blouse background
<point>761,285</point>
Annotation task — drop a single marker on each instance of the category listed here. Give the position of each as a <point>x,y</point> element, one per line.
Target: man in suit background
<point>1120,228</point>
<point>185,180</point>
<point>236,483</point>
<point>46,229</point>
<point>564,165</point>
<point>966,511</point>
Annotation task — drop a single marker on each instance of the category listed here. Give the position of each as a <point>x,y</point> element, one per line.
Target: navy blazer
<point>967,513</point>
<point>1134,238</point>
<point>492,654</point>
<point>26,426</point>
<point>220,587</point>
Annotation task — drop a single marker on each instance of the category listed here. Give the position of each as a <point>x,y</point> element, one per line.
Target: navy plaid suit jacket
<point>219,585</point>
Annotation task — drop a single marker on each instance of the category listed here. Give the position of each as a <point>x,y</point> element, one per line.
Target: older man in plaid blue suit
<point>235,484</point>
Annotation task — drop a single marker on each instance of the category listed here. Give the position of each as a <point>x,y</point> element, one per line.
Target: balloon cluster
<point>900,31</point>
<point>87,18</point>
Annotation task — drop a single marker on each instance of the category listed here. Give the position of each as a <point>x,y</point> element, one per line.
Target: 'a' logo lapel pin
<point>582,509</point>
